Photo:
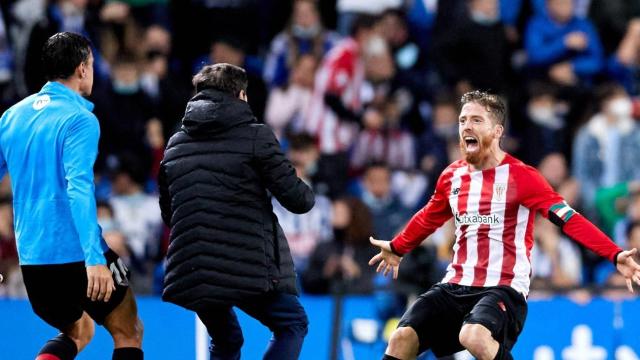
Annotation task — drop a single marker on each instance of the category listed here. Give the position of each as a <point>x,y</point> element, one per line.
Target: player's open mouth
<point>471,143</point>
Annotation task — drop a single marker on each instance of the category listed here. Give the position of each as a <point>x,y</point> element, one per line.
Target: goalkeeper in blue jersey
<point>48,144</point>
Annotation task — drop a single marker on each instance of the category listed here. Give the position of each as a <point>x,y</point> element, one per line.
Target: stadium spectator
<point>286,105</point>
<point>336,103</point>
<point>606,150</point>
<point>304,232</point>
<point>613,203</point>
<point>305,35</point>
<point>623,66</point>
<point>433,144</point>
<point>382,140</point>
<point>137,215</point>
<point>124,111</point>
<point>545,130</point>
<point>231,49</point>
<point>474,52</point>
<point>350,10</point>
<point>340,265</point>
<point>304,153</point>
<point>562,47</point>
<point>612,19</point>
<point>388,212</point>
<point>556,262</point>
<point>554,169</point>
<point>60,15</point>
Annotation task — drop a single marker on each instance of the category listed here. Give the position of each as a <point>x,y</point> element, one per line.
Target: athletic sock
<point>503,354</point>
<point>60,347</point>
<point>389,357</point>
<point>127,353</point>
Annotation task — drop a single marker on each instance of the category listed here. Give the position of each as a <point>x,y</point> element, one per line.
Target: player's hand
<point>388,261</point>
<point>629,268</point>
<point>100,283</point>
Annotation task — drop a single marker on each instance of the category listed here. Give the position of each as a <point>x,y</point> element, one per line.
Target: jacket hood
<point>211,111</point>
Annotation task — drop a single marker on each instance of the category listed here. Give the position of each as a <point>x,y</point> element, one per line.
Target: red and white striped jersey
<point>395,147</point>
<point>341,73</point>
<point>494,210</point>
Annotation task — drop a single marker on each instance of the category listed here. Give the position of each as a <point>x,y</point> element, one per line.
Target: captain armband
<point>560,213</point>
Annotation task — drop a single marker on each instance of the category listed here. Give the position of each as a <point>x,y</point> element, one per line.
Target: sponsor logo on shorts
<point>119,271</point>
<point>477,219</point>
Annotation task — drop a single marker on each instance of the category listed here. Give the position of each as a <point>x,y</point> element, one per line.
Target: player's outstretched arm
<point>628,267</point>
<point>388,261</point>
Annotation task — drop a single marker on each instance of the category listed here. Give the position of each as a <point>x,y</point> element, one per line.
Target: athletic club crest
<point>499,191</point>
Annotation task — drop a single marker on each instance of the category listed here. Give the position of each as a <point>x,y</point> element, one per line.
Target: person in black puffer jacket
<point>227,248</point>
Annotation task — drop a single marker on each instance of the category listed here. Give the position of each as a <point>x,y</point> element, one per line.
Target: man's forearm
<point>584,232</point>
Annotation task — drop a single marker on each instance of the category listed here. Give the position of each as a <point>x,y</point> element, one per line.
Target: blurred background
<point>363,96</point>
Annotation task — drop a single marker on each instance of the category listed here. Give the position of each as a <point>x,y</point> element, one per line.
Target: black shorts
<point>438,315</point>
<point>58,293</point>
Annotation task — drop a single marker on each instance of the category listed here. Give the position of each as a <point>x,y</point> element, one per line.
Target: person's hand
<point>629,268</point>
<point>350,268</point>
<point>116,12</point>
<point>563,73</point>
<point>331,266</point>
<point>388,261</point>
<point>576,40</point>
<point>100,283</point>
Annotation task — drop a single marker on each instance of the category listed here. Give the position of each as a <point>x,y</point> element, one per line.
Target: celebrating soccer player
<point>481,304</point>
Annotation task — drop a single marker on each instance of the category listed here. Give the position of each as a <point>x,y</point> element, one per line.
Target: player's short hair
<point>223,77</point>
<point>62,53</point>
<point>491,102</point>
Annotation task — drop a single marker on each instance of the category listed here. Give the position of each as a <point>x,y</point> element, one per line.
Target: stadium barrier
<point>556,329</point>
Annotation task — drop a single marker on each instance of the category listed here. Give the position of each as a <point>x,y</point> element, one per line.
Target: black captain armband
<point>560,213</point>
<point>615,258</point>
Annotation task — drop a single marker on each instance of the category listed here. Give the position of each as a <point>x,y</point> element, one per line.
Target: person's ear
<point>242,95</point>
<point>498,131</point>
<point>83,70</point>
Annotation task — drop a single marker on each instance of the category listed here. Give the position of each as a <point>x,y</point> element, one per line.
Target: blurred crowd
<point>363,96</point>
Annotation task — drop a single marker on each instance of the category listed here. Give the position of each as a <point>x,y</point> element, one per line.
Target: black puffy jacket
<point>215,178</point>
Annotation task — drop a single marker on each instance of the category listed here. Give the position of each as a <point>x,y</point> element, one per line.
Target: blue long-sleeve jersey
<point>544,42</point>
<point>49,143</point>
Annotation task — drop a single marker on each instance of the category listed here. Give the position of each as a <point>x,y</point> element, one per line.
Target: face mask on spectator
<point>124,88</point>
<point>107,225</point>
<point>620,108</point>
<point>483,19</point>
<point>545,116</point>
<point>305,32</point>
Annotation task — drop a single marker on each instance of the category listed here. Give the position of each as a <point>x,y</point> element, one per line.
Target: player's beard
<point>484,144</point>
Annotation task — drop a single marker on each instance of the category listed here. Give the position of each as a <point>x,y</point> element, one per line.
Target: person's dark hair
<point>363,22</point>
<point>445,97</point>
<point>491,102</point>
<point>62,53</point>
<point>376,164</point>
<point>360,226</point>
<point>301,142</point>
<point>605,91</point>
<point>106,205</point>
<point>538,89</point>
<point>630,228</point>
<point>223,77</point>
